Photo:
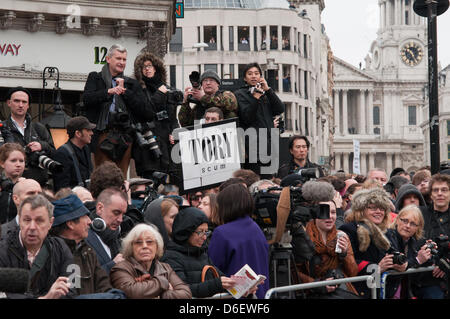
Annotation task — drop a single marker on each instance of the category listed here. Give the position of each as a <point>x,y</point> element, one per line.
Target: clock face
<point>411,53</point>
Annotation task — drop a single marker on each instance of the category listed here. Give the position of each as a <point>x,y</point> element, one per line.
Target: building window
<point>210,67</point>
<point>231,38</point>
<point>263,38</point>
<point>306,122</point>
<point>255,38</point>
<point>288,117</point>
<point>305,45</point>
<point>286,78</point>
<point>448,127</point>
<point>232,75</point>
<point>176,43</point>
<point>272,79</point>
<point>448,152</point>
<point>305,83</point>
<point>376,115</point>
<point>173,75</point>
<point>286,38</point>
<point>273,37</point>
<point>210,37</point>
<point>244,37</point>
<point>412,115</point>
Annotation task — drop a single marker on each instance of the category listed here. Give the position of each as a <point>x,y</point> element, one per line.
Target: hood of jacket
<point>186,222</point>
<point>405,190</point>
<point>153,215</point>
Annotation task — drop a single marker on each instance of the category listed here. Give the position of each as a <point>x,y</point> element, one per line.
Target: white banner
<point>209,154</point>
<point>356,160</point>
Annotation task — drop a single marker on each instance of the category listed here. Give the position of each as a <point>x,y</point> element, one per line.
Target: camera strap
<point>76,164</point>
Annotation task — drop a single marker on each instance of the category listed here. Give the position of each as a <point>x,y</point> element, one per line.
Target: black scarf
<point>109,237</point>
<point>152,83</point>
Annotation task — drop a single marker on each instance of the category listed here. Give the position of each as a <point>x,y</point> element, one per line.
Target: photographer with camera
<point>33,136</point>
<point>258,105</point>
<point>409,249</point>
<point>12,162</point>
<point>204,93</point>
<point>151,74</point>
<point>437,225</point>
<point>75,155</point>
<point>112,101</point>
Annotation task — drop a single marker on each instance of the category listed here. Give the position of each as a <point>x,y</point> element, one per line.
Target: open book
<point>245,279</point>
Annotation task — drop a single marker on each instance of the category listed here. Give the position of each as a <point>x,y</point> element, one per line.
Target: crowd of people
<point>83,230</point>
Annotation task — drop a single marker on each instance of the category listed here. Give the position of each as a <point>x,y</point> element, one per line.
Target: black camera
<point>6,185</point>
<point>398,258</point>
<point>146,139</point>
<point>120,120</point>
<point>39,159</point>
<point>174,97</point>
<point>194,78</point>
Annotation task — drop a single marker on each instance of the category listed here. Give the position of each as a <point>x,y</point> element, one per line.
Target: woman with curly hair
<point>366,225</point>
<point>150,72</point>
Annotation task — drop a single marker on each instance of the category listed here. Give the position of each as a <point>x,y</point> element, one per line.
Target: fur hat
<point>374,196</point>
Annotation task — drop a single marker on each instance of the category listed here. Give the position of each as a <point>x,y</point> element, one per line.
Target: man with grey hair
<point>29,247</point>
<point>111,101</point>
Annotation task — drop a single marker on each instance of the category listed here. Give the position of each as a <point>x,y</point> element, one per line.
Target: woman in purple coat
<point>239,240</point>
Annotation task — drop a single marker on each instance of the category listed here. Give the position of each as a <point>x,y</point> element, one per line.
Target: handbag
<point>209,267</point>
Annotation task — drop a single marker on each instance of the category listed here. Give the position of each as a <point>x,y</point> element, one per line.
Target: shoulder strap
<point>206,268</point>
<point>76,164</point>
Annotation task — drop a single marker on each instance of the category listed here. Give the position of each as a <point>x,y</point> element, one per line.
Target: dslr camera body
<point>39,159</point>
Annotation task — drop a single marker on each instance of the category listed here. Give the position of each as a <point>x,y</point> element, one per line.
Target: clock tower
<point>399,52</point>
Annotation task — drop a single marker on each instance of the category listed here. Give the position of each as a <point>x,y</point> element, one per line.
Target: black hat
<point>397,170</point>
<point>11,91</point>
<point>68,208</point>
<point>77,124</point>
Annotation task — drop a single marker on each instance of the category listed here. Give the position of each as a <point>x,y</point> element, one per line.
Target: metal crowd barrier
<point>384,276</point>
<point>369,279</point>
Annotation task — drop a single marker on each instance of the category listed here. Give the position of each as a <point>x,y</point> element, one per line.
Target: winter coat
<point>291,167</point>
<point>34,132</point>
<point>188,261</point>
<point>94,278</point>
<point>237,243</point>
<point>326,259</point>
<point>138,283</point>
<point>369,245</point>
<point>224,100</point>
<point>14,255</point>
<point>410,249</point>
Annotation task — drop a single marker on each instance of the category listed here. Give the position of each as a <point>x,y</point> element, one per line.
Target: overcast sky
<point>352,25</point>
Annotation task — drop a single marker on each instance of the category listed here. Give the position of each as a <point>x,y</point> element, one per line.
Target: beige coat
<point>136,282</point>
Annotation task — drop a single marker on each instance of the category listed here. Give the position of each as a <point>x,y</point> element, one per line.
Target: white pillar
<point>387,112</point>
<point>362,112</point>
<point>344,112</point>
<point>397,12</point>
<point>398,160</point>
<point>370,111</point>
<point>292,76</point>
<point>337,161</point>
<point>346,163</point>
<point>363,165</point>
<point>388,163</point>
<point>337,117</point>
<point>371,161</point>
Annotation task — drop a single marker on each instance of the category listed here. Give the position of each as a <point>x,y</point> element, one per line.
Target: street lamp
<point>194,46</point>
<point>431,9</point>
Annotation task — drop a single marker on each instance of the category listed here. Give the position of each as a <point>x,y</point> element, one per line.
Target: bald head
<point>25,188</point>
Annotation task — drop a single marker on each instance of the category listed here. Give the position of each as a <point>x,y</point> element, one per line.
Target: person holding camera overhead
<point>151,74</point>
<point>33,136</point>
<point>113,101</point>
<point>12,161</point>
<point>75,155</point>
<point>258,105</point>
<point>204,93</point>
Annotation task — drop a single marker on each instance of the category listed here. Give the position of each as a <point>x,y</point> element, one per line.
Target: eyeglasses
<point>147,67</point>
<point>148,242</point>
<point>437,190</point>
<point>407,222</point>
<point>200,233</point>
<point>372,207</point>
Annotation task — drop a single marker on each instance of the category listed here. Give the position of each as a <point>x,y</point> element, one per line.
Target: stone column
<point>370,111</point>
<point>346,164</point>
<point>363,165</point>
<point>371,161</point>
<point>383,14</point>
<point>337,117</point>
<point>337,161</point>
<point>398,159</point>
<point>292,77</point>
<point>344,112</point>
<point>280,78</point>
<point>388,163</point>
<point>362,112</point>
<point>387,113</point>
